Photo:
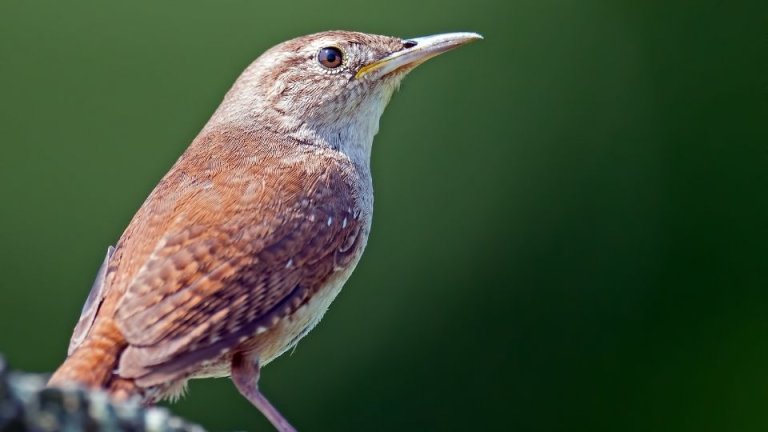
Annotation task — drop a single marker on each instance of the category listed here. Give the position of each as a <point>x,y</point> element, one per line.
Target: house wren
<point>242,246</point>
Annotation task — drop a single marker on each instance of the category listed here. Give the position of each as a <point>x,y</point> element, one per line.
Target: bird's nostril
<point>409,44</point>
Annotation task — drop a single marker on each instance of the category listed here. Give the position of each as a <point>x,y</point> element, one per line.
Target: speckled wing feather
<point>213,279</point>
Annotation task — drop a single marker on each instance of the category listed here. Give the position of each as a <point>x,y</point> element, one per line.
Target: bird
<point>241,247</point>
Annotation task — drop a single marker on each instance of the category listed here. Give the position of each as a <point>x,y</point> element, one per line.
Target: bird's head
<point>330,87</point>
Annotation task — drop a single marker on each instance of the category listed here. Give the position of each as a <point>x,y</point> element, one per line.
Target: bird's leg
<point>245,375</point>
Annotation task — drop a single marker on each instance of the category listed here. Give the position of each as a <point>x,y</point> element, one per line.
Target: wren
<point>239,250</point>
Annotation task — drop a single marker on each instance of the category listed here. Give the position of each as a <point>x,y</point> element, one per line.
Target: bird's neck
<point>346,124</point>
<point>349,132</point>
<point>353,138</point>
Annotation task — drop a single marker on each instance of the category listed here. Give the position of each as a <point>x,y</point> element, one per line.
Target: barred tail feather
<point>93,363</point>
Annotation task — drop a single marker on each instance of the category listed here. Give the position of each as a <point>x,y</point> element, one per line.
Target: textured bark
<point>27,405</point>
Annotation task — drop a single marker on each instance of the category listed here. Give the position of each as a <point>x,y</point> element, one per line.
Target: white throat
<point>350,132</point>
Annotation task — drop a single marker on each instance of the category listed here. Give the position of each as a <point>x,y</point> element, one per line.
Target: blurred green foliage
<point>570,227</point>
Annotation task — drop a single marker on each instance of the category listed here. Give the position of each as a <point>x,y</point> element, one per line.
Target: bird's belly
<point>294,327</point>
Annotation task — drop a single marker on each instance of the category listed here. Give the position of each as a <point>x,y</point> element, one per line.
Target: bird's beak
<point>415,52</point>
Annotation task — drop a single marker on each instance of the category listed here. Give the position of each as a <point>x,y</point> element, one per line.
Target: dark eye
<point>330,57</point>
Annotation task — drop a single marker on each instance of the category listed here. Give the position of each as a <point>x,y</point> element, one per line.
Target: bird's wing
<point>91,306</point>
<point>215,279</point>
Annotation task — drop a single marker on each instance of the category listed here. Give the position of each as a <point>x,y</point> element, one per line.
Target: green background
<point>571,228</point>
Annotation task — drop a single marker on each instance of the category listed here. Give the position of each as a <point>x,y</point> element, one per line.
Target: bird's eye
<point>330,57</point>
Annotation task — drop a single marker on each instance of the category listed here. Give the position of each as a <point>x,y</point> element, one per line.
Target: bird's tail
<point>93,363</point>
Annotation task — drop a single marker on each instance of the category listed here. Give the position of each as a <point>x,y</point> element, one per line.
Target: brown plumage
<point>241,247</point>
<point>222,252</point>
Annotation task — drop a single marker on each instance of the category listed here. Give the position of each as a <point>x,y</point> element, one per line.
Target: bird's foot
<point>245,375</point>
